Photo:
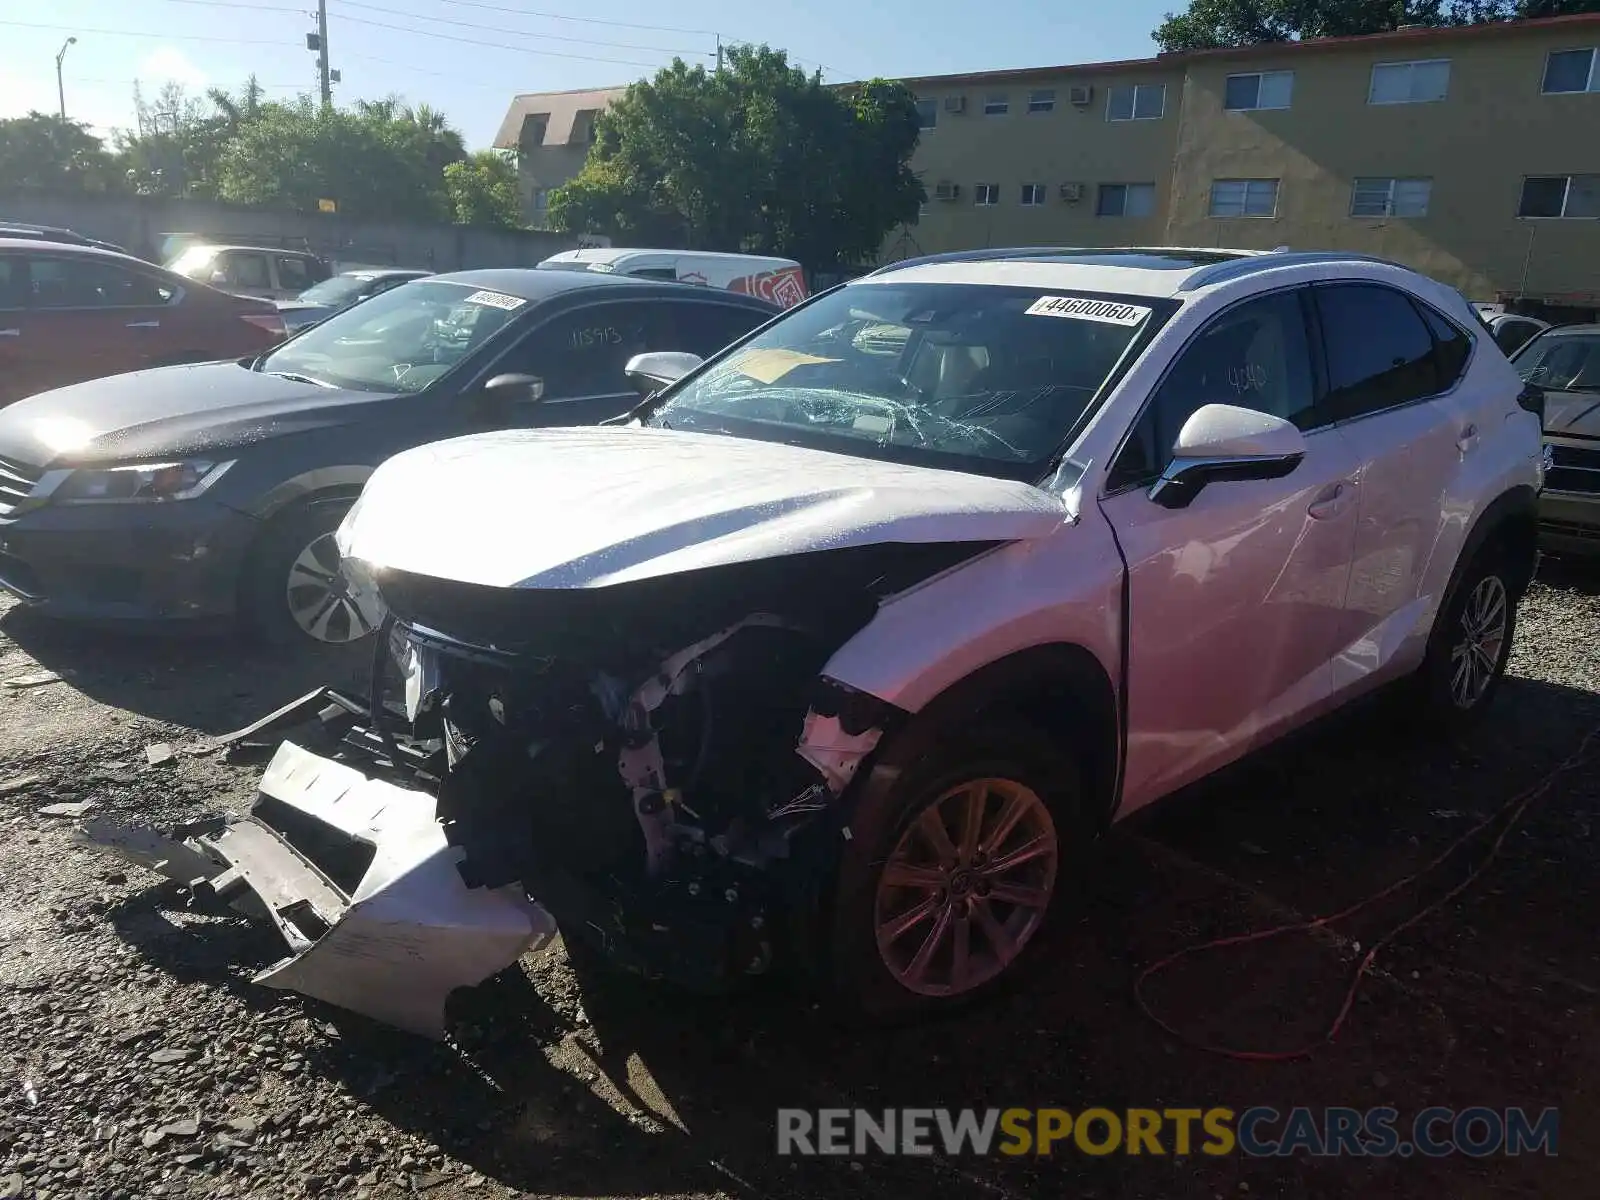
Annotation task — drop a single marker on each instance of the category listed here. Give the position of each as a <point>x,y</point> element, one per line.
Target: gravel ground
<point>137,1060</point>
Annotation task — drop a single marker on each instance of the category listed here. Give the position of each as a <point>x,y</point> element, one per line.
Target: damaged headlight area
<point>659,769</point>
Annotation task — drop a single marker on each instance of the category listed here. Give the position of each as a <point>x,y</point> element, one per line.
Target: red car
<point>71,313</point>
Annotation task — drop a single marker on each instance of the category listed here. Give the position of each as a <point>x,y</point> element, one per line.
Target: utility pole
<point>61,88</point>
<point>719,54</point>
<point>322,54</point>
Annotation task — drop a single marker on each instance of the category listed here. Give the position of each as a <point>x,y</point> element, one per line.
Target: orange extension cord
<point>1513,810</point>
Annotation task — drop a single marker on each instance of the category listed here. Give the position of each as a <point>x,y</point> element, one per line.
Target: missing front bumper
<point>357,876</point>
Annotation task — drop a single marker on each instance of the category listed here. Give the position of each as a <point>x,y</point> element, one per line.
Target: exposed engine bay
<point>659,769</point>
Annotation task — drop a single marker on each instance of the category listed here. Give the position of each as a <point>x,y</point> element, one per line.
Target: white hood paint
<point>588,507</point>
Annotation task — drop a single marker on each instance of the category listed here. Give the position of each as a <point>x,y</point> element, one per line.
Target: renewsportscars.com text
<point>1259,1131</point>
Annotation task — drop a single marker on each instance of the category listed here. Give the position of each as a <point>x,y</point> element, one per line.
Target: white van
<point>779,281</point>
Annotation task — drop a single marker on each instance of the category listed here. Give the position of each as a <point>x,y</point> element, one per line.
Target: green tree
<point>483,190</point>
<point>43,151</point>
<point>379,159</point>
<point>1207,24</point>
<point>758,157</point>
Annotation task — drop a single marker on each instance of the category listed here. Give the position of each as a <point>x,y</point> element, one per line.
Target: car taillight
<point>271,322</point>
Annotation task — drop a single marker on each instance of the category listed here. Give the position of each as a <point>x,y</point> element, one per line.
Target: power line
<point>144,33</point>
<point>543,37</point>
<point>526,12</point>
<point>450,37</point>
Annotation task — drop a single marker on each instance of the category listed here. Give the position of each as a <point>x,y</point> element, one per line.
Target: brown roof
<point>561,109</point>
<point>1313,46</point>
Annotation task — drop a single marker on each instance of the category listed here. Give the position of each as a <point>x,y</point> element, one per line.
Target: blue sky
<point>468,57</point>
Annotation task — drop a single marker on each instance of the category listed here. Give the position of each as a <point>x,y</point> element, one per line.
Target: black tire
<point>1448,703</point>
<point>265,598</point>
<point>859,983</point>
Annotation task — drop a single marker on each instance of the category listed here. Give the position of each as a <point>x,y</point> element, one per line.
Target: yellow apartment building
<point>1470,153</point>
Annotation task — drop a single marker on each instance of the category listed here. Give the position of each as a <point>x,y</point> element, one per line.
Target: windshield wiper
<point>296,377</point>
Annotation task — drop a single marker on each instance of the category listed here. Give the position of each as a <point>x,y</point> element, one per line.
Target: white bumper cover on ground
<point>394,946</point>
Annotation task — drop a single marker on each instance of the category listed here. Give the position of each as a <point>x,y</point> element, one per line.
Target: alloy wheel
<point>966,887</point>
<point>323,602</point>
<point>1475,657</point>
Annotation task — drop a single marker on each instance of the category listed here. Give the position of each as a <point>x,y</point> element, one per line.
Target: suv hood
<point>591,507</point>
<point>169,410</point>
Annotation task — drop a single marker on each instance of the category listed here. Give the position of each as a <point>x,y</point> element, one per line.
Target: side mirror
<point>1221,442</point>
<point>514,389</point>
<point>651,372</point>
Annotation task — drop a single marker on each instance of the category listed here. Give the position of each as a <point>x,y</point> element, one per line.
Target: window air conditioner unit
<point>946,191</point>
<point>1072,192</point>
<point>955,104</point>
<point>1081,96</point>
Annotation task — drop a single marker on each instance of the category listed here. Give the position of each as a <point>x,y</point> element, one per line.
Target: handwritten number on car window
<point>595,337</point>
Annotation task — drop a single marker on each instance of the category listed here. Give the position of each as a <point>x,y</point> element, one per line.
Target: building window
<point>1044,101</point>
<point>1142,102</point>
<point>1409,82</point>
<point>1125,200</point>
<point>1560,196</point>
<point>1264,89</point>
<point>1390,197</point>
<point>1572,71</point>
<point>1032,195</point>
<point>986,195</point>
<point>927,114</point>
<point>541,199</point>
<point>1244,198</point>
<point>997,105</point>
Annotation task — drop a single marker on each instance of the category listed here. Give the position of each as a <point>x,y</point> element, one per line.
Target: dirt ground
<point>137,1060</point>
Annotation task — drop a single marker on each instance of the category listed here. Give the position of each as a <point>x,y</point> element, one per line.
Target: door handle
<point>144,325</point>
<point>1331,501</point>
<point>1468,439</point>
<point>10,333</point>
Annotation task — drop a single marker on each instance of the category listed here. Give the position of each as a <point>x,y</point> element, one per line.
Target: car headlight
<point>139,482</point>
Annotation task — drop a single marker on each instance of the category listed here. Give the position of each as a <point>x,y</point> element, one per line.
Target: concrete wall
<point>138,222</point>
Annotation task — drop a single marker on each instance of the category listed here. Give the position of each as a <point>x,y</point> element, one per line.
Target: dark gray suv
<point>213,490</point>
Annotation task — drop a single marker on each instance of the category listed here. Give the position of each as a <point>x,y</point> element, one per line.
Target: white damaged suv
<point>833,654</point>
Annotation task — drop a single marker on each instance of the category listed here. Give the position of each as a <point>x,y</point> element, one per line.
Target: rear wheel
<point>295,592</point>
<point>1471,643</point>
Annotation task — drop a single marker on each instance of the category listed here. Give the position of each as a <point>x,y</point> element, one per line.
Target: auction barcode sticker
<point>1107,311</point>
<point>496,300</point>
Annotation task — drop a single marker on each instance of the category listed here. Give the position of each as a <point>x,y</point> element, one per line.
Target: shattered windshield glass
<point>987,378</point>
<point>400,340</point>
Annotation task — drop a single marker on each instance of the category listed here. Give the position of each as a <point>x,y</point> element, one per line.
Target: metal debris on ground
<point>74,809</point>
<point>38,679</point>
<point>158,753</point>
<point>20,783</point>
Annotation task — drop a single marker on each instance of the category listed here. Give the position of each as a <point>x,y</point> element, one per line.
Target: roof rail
<point>1023,253</point>
<point>1239,269</point>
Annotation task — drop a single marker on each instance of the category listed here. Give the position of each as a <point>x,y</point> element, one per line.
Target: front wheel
<point>952,882</point>
<point>295,592</point>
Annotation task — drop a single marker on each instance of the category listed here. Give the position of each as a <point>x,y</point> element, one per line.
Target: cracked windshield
<point>995,374</point>
<point>400,341</point>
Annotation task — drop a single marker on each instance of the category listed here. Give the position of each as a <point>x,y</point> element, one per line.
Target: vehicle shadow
<point>1306,830</point>
<point>211,682</point>
<point>1571,572</point>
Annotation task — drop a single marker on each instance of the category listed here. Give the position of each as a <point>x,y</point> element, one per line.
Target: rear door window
<point>13,282</point>
<point>293,273</point>
<point>247,270</point>
<point>703,329</point>
<point>1379,349</point>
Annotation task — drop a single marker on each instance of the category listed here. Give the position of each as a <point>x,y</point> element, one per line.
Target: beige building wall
<point>551,133</point>
<point>1068,152</point>
<point>1492,128</point>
